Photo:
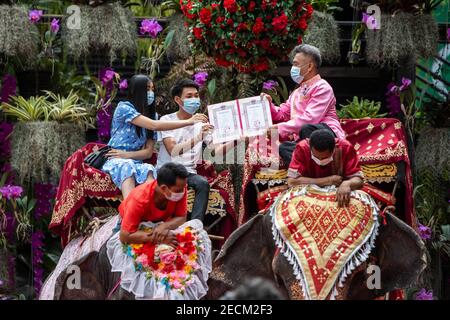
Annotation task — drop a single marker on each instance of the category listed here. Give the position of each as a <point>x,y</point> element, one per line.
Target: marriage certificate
<point>233,120</point>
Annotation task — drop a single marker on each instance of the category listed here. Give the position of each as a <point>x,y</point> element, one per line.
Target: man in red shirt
<point>325,160</point>
<point>161,200</point>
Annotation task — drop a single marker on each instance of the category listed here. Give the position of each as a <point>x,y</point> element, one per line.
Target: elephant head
<point>250,251</point>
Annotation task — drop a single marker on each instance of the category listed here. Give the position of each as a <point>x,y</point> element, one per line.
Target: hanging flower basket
<point>106,28</point>
<point>248,35</point>
<point>401,36</point>
<point>19,37</point>
<point>323,33</point>
<point>40,149</point>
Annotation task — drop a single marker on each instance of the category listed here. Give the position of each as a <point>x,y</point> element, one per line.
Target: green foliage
<point>151,51</point>
<point>360,109</point>
<point>326,6</point>
<point>51,107</point>
<point>323,33</point>
<point>146,8</point>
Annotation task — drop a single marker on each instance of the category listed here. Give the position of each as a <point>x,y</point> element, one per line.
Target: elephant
<point>250,251</point>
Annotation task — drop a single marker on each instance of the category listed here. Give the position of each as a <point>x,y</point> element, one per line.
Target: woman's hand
<point>170,239</point>
<point>117,154</point>
<point>199,117</point>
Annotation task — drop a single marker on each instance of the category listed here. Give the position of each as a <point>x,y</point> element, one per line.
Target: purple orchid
<point>405,84</point>
<point>9,86</point>
<point>200,78</point>
<point>37,247</point>
<point>11,192</point>
<point>35,15</point>
<point>123,85</point>
<point>423,294</point>
<point>54,26</point>
<point>152,27</point>
<point>393,99</point>
<point>448,34</point>
<point>44,193</point>
<point>108,75</point>
<point>370,21</point>
<point>270,84</point>
<point>424,232</point>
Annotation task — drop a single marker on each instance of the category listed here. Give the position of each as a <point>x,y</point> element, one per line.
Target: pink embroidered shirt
<point>311,103</point>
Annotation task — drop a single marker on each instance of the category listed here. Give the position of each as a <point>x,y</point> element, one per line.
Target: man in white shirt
<point>185,145</point>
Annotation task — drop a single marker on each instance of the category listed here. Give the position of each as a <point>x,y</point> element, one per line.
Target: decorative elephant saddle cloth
<point>160,271</point>
<point>323,243</point>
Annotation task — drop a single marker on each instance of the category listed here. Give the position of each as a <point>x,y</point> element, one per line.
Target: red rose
<point>214,6</point>
<point>279,23</point>
<point>242,53</point>
<point>197,33</point>
<point>302,24</point>
<point>309,10</point>
<point>263,5</point>
<point>299,40</point>
<point>230,5</point>
<point>205,16</point>
<point>186,9</point>
<point>219,20</point>
<point>265,43</point>
<point>251,6</point>
<point>274,3</point>
<point>230,21</point>
<point>258,27</point>
<point>262,65</point>
<point>241,27</point>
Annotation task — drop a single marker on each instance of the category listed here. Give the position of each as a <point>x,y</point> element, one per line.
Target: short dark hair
<point>322,140</point>
<point>177,89</point>
<point>169,173</point>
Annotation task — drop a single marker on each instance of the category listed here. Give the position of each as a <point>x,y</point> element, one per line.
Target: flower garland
<point>172,267</point>
<point>249,35</point>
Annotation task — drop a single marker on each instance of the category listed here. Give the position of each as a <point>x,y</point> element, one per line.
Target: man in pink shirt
<point>311,106</point>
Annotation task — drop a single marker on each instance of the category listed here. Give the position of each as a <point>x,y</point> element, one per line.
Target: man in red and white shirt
<point>324,160</point>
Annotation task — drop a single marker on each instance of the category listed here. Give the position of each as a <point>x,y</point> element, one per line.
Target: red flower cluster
<point>230,5</point>
<point>265,30</point>
<point>205,16</point>
<point>279,23</point>
<point>258,27</point>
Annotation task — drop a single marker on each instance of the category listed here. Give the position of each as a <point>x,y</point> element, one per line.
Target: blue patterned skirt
<point>122,169</point>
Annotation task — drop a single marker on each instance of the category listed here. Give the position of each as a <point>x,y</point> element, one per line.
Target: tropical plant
<point>179,49</point>
<point>152,8</point>
<point>152,50</point>
<point>360,109</point>
<point>51,107</point>
<point>277,90</point>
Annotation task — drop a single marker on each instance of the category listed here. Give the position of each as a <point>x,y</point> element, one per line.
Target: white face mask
<point>175,196</point>
<point>322,162</point>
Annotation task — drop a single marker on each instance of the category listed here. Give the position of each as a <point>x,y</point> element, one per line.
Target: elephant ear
<point>238,234</point>
<point>401,255</point>
<point>90,287</point>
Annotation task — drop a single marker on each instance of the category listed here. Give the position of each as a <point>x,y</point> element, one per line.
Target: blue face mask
<point>296,74</point>
<point>150,97</point>
<point>191,105</point>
